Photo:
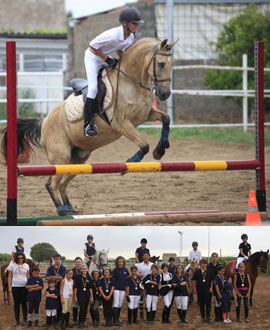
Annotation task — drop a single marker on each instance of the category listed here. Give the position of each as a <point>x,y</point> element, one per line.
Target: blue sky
<point>81,8</point>
<point>124,240</point>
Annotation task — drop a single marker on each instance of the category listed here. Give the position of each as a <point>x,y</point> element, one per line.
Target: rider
<point>17,248</point>
<point>244,250</point>
<point>98,55</point>
<point>141,250</point>
<point>89,250</point>
<point>194,254</point>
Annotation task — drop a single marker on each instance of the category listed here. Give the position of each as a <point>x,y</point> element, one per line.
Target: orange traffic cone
<point>253,217</point>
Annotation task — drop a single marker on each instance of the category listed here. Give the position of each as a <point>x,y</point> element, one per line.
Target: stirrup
<point>90,130</point>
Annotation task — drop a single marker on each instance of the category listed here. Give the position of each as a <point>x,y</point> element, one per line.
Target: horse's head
<point>194,265</point>
<point>159,67</point>
<point>103,258</point>
<point>154,259</point>
<point>263,260</point>
<point>31,265</point>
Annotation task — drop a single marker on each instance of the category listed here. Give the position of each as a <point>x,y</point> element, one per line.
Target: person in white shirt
<point>194,254</point>
<point>144,269</point>
<point>98,55</point>
<point>18,273</point>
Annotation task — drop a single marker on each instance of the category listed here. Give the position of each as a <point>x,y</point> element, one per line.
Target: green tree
<point>42,251</point>
<point>237,38</point>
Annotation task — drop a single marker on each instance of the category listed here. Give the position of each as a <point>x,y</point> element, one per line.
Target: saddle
<point>74,104</point>
<point>233,267</point>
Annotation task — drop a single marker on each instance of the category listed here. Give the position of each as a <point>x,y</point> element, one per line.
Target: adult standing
<point>17,279</point>
<point>213,266</point>
<point>57,272</point>
<point>144,269</point>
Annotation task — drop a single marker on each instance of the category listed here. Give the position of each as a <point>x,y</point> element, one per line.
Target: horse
<point>154,260</point>
<point>4,278</point>
<point>255,261</point>
<point>193,266</point>
<point>99,261</point>
<point>144,67</point>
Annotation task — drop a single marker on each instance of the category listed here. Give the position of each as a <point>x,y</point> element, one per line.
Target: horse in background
<point>99,261</point>
<point>4,277</point>
<point>257,260</point>
<point>194,265</point>
<point>154,260</point>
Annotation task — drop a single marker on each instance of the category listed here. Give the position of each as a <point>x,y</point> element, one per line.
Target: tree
<point>237,38</point>
<point>42,251</point>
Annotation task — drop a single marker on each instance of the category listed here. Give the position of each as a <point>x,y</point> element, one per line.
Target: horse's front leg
<point>163,143</point>
<point>127,129</point>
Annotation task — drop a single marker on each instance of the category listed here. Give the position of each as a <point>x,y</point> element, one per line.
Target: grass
<point>234,134</point>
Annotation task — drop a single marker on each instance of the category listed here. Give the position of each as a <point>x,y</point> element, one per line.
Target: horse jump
<point>258,164</point>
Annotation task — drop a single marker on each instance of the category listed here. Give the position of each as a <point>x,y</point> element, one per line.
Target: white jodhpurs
<point>92,65</point>
<point>168,299</point>
<point>151,301</point>
<point>118,297</point>
<point>240,259</point>
<point>134,302</point>
<point>181,302</point>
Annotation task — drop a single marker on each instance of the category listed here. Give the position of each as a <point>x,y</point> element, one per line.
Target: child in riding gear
<point>194,254</point>
<point>119,274</point>
<point>52,303</point>
<point>66,294</point>
<point>166,282</point>
<point>244,250</point>
<point>106,288</point>
<point>203,279</point>
<point>76,271</point>
<point>89,250</point>
<point>98,55</point>
<point>94,305</point>
<point>140,251</point>
<point>133,295</point>
<point>180,292</point>
<point>242,286</point>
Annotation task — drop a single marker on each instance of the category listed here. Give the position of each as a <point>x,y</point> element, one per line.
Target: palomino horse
<point>99,262</point>
<point>255,261</point>
<point>193,266</point>
<point>4,278</point>
<point>145,67</point>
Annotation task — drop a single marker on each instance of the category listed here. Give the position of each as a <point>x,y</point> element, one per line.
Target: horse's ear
<point>173,43</point>
<point>163,44</point>
<point>267,251</point>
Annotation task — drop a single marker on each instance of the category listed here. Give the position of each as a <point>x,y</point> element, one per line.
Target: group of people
<point>74,290</point>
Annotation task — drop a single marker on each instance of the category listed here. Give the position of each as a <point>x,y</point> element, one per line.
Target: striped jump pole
<point>220,165</point>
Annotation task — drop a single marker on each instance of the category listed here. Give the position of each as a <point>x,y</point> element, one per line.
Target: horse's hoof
<point>165,144</point>
<point>61,210</point>
<point>158,153</point>
<point>69,209</point>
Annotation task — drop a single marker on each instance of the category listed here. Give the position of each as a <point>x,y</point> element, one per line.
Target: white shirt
<point>197,255</point>
<point>144,269</point>
<point>67,288</point>
<point>112,40</point>
<point>19,274</point>
<point>166,277</point>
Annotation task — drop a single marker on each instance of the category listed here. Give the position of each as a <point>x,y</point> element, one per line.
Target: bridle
<point>154,80</point>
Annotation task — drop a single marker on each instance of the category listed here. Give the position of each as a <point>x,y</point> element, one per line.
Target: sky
<point>69,241</point>
<point>81,8</point>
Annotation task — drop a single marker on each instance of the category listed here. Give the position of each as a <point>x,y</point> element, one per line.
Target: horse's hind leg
<point>52,188</point>
<point>163,143</point>
<point>78,156</point>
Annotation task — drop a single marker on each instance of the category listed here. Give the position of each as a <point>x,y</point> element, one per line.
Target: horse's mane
<point>142,43</point>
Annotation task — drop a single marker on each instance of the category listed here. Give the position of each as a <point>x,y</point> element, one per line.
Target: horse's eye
<point>161,65</point>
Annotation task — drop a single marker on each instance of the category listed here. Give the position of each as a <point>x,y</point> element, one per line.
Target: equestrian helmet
<point>20,240</point>
<point>194,244</point>
<point>130,14</point>
<point>243,236</point>
<point>90,237</point>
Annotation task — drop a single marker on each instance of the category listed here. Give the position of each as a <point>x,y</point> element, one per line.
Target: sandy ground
<point>145,192</point>
<point>259,314</point>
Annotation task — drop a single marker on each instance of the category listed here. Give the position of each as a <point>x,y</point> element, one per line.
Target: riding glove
<point>111,61</point>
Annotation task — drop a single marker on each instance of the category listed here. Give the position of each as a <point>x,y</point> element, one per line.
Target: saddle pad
<point>74,104</point>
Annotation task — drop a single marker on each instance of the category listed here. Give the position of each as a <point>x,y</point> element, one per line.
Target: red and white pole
<point>11,133</point>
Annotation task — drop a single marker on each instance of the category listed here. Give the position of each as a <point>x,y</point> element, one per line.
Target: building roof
<point>34,35</point>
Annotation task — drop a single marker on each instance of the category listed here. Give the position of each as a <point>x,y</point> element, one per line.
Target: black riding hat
<point>130,14</point>
<point>90,237</point>
<point>195,243</point>
<point>244,236</point>
<point>20,240</point>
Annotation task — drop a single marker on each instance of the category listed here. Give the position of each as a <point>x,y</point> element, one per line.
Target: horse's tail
<point>28,132</point>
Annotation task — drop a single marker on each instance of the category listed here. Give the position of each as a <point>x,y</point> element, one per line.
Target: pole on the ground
<point>259,123</point>
<point>11,133</point>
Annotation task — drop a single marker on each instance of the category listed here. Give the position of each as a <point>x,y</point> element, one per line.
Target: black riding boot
<point>184,313</point>
<point>164,314</point>
<point>54,322</point>
<point>75,315</point>
<point>115,317</point>
<point>63,321</point>
<point>96,313</point>
<point>89,108</point>
<point>135,312</point>
<point>148,314</point>
<point>180,315</point>
<point>153,316</point>
<point>68,325</point>
<point>129,322</point>
<point>92,314</point>
<point>168,315</point>
<point>48,322</point>
<point>217,314</point>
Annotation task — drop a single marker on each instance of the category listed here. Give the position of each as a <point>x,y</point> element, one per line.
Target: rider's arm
<point>137,258</point>
<point>242,253</point>
<point>99,53</point>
